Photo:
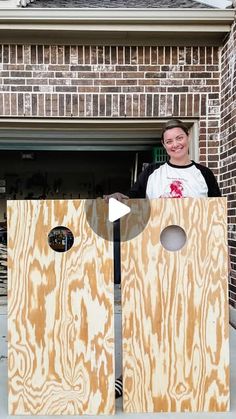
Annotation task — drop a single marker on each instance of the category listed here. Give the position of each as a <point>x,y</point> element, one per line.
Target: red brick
<point>115,106</point>
<point>188,55</point>
<point>6,55</point>
<point>160,55</point>
<point>13,104</point>
<point>13,54</point>
<point>39,54</point>
<point>147,52</point>
<point>127,55</point>
<point>46,54</point>
<point>132,74</point>
<point>176,105</point>
<point>55,105</point>
<point>48,103</point>
<point>147,82</point>
<point>167,55</point>
<point>143,105</point>
<point>19,54</point>
<point>140,55</point>
<point>87,56</point>
<point>160,89</point>
<point>108,105</point>
<point>174,55</point>
<point>189,105</point>
<point>125,82</point>
<point>114,55</point>
<point>67,57</point>
<point>61,105</point>
<point>106,89</point>
<point>209,55</point>
<point>156,105</point>
<point>202,55</point>
<point>53,54</point>
<point>121,55</point>
<point>181,58</point>
<point>20,104</point>
<point>101,101</point>
<point>81,105</point>
<point>196,99</point>
<point>122,105</point>
<point>107,55</point>
<point>183,105</point>
<point>133,89</point>
<point>154,55</point>
<point>195,55</point>
<point>128,105</point>
<point>41,105</point>
<point>68,105</point>
<point>135,105</point>
<point>95,106</point>
<point>149,106</point>
<point>215,55</point>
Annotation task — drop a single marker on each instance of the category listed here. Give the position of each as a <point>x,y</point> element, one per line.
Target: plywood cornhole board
<point>60,313</point>
<point>175,310</point>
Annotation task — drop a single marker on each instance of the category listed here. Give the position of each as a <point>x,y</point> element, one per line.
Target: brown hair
<point>173,123</point>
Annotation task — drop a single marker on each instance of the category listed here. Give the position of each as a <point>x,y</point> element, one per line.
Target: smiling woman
<point>179,177</point>
<point>176,142</point>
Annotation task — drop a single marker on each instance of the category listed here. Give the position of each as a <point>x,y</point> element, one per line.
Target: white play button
<point>101,215</point>
<point>116,210</point>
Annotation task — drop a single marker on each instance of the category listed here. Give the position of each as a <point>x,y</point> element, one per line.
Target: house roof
<point>119,4</point>
<point>123,26</point>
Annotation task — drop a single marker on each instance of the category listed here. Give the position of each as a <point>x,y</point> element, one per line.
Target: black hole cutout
<point>60,239</point>
<point>173,238</point>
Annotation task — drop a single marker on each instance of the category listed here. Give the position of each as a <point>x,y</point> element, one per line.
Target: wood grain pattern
<point>60,313</point>
<point>175,310</point>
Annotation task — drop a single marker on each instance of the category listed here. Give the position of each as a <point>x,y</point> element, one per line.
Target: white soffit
<point>115,24</point>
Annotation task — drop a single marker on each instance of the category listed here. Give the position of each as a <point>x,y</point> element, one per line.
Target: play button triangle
<point>116,210</point>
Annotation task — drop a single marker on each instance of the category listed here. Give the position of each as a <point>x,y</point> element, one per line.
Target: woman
<point>179,177</point>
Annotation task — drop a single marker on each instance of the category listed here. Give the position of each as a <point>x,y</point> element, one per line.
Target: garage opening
<point>69,174</point>
<point>41,174</point>
<point>57,159</point>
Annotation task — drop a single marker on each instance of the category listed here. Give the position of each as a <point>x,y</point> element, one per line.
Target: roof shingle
<point>119,4</point>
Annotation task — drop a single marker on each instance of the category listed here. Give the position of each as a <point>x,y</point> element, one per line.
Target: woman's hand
<point>117,195</point>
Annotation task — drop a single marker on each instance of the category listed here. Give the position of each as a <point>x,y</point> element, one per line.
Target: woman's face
<point>176,143</point>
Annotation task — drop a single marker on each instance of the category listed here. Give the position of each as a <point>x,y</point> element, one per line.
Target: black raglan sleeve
<point>213,187</point>
<point>138,190</point>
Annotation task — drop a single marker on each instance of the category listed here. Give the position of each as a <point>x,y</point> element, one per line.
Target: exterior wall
<point>114,82</point>
<point>228,147</point>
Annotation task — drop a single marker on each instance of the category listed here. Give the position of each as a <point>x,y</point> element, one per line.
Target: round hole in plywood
<point>173,238</point>
<point>60,239</point>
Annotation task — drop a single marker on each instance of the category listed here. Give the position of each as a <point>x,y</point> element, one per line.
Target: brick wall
<point>228,146</point>
<point>114,82</point>
<point>131,82</point>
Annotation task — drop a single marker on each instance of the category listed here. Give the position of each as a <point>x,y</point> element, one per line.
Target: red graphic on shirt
<point>176,189</point>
